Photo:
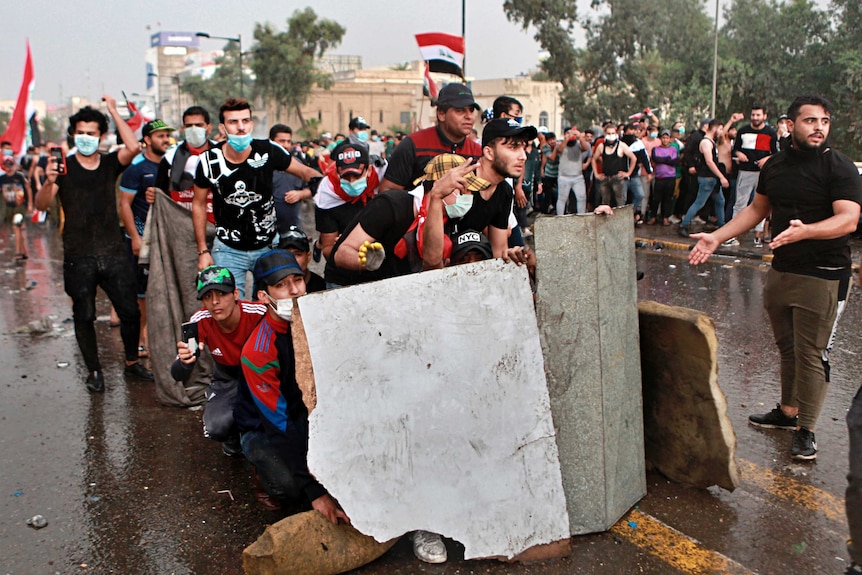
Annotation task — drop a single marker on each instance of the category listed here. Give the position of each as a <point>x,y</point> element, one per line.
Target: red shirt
<point>226,347</point>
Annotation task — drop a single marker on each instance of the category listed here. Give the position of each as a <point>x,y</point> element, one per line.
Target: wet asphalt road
<point>130,486</point>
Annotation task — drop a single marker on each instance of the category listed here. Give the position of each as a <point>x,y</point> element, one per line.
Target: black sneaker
<point>231,446</point>
<point>804,446</point>
<point>96,382</point>
<point>683,232</point>
<point>316,252</point>
<point>854,569</point>
<point>138,370</point>
<point>775,419</point>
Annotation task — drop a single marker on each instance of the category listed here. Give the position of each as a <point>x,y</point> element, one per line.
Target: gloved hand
<point>371,255</point>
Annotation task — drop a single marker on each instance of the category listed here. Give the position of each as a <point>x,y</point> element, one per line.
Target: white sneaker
<point>698,220</point>
<point>674,220</point>
<point>526,232</point>
<point>429,547</point>
<point>731,242</point>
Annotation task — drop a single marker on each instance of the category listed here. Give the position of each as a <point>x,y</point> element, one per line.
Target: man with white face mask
<point>94,250</point>
<point>177,168</point>
<point>270,412</point>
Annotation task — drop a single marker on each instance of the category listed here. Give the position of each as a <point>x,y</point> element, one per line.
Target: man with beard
<point>137,181</point>
<point>456,114</point>
<point>754,144</point>
<point>814,194</point>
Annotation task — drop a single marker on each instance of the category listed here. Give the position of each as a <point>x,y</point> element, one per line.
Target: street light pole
<point>238,40</point>
<point>714,64</point>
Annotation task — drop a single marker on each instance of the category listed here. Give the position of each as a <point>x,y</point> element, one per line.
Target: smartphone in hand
<point>190,336</point>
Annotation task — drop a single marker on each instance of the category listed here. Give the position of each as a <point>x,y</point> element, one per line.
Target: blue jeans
<point>706,187</point>
<point>637,189</point>
<point>238,261</point>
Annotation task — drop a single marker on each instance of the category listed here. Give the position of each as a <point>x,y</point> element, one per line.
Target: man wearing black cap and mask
<point>270,412</point>
<point>295,240</point>
<point>504,145</point>
<point>456,114</point>
<point>223,324</point>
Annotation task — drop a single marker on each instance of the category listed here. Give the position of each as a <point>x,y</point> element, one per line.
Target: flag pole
<point>464,36</point>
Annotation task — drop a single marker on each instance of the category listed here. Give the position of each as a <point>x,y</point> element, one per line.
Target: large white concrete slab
<point>432,409</point>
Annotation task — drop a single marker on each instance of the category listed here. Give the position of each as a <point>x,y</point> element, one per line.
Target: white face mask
<point>462,205</point>
<point>283,308</point>
<point>196,136</point>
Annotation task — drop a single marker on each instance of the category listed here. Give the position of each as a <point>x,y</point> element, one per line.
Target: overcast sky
<point>86,47</point>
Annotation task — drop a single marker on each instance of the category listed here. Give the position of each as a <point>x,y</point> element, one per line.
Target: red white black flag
<point>444,53</point>
<point>16,131</point>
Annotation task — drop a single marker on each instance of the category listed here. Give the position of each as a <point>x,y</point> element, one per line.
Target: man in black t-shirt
<point>239,172</point>
<point>814,194</point>
<point>93,244</point>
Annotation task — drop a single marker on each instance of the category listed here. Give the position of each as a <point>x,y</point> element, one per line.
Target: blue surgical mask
<point>362,136</point>
<point>682,131</point>
<point>239,143</point>
<point>87,145</point>
<point>8,153</point>
<point>462,205</point>
<point>653,134</point>
<point>354,189</point>
<point>375,138</point>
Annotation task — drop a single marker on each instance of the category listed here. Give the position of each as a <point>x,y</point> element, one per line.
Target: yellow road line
<point>794,491</point>
<point>677,549</point>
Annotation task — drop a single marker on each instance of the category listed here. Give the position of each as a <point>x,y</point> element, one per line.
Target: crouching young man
<point>270,413</point>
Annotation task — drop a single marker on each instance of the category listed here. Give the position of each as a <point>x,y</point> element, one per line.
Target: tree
<point>846,74</point>
<point>223,84</point>
<point>284,62</point>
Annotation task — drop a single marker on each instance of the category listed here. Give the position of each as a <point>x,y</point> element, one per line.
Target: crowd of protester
<point>383,206</point>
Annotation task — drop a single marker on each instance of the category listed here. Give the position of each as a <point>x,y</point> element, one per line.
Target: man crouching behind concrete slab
<point>269,411</point>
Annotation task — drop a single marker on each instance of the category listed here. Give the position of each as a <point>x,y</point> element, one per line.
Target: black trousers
<point>81,276</point>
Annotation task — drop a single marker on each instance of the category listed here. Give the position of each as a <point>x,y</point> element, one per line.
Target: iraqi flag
<point>16,131</point>
<point>429,88</point>
<point>444,53</point>
<point>138,119</point>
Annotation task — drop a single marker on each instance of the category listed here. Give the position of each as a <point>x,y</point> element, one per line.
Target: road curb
<point>734,252</point>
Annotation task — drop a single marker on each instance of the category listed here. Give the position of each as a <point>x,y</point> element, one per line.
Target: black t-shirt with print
<point>89,200</point>
<point>386,218</point>
<point>243,206</point>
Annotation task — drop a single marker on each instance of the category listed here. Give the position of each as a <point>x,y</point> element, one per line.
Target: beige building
<point>390,99</point>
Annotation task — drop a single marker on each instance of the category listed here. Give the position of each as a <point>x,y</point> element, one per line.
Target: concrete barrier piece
<point>688,436</point>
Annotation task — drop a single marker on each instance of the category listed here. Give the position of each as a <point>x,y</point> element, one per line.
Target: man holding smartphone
<point>93,248</point>
<point>223,325</point>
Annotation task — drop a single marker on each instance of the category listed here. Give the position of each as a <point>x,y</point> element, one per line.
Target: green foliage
<point>311,129</point>
<point>660,55</point>
<point>283,62</point>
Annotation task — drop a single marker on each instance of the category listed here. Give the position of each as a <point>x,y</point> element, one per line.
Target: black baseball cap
<point>215,278</point>
<point>503,128</point>
<point>274,266</point>
<point>467,241</point>
<point>155,126</point>
<point>294,238</point>
<point>350,158</point>
<point>358,122</point>
<point>456,96</point>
